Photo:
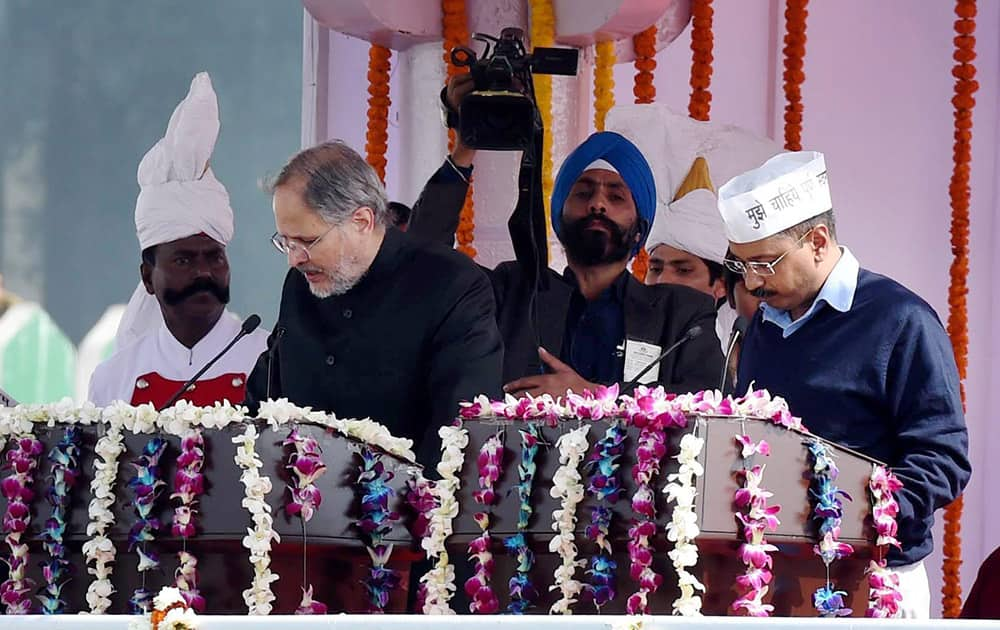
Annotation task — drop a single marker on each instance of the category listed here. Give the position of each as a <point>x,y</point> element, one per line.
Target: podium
<point>336,555</point>
<point>797,571</point>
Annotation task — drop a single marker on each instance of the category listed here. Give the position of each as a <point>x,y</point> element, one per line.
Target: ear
<point>821,242</point>
<point>146,273</point>
<point>718,289</point>
<point>363,219</point>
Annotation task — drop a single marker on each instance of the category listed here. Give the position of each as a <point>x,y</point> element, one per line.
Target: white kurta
<point>725,317</point>
<point>159,352</point>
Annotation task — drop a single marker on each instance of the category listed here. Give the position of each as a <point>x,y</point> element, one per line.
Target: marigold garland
<point>604,82</point>
<point>701,59</point>
<point>543,33</point>
<point>644,44</point>
<point>958,325</point>
<point>455,31</point>
<point>794,75</point>
<point>377,136</point>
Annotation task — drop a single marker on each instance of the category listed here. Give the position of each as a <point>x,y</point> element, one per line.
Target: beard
<point>590,247</point>
<point>337,281</point>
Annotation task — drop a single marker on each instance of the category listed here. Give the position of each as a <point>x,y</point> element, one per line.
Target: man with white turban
<point>176,320</point>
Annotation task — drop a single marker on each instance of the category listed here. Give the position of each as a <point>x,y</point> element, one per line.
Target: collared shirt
<point>595,331</point>
<point>838,292</point>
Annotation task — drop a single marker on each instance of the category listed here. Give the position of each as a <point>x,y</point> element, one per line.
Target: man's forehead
<point>600,176</point>
<point>769,247</point>
<point>194,242</point>
<point>667,254</point>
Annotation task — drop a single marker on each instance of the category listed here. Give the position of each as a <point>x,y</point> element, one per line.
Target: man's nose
<point>297,256</point>
<point>752,280</point>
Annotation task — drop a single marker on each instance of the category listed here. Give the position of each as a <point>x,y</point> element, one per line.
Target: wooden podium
<point>337,559</point>
<point>797,571</point>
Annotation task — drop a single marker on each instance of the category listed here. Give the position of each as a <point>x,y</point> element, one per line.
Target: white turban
<point>691,224</point>
<point>179,195</point>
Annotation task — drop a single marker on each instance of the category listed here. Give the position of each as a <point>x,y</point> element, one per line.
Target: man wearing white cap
<point>176,321</point>
<point>863,360</point>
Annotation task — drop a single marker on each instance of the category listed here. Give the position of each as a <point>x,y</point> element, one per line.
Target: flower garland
<point>306,465</point>
<point>99,550</point>
<point>522,591</point>
<point>543,33</point>
<point>438,584</point>
<point>567,486</point>
<point>644,45</point>
<point>147,486</point>
<point>420,499</point>
<point>682,530</point>
<point>189,485</point>
<point>794,74</point>
<point>604,82</point>
<point>65,460</point>
<point>604,486</point>
<point>958,324</point>
<point>482,599</point>
<point>455,32</point>
<point>375,524</point>
<point>883,583</point>
<point>377,136</point>
<point>701,59</point>
<point>758,519</point>
<point>649,451</point>
<point>828,511</point>
<point>258,597</point>
<point>22,460</point>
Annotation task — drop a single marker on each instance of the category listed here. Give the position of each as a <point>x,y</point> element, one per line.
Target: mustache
<point>175,297</point>
<point>760,293</point>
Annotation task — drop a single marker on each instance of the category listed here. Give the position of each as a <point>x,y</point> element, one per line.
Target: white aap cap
<point>787,190</point>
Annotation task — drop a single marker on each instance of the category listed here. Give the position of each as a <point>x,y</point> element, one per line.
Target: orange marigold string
<point>543,33</point>
<point>702,43</point>
<point>604,82</point>
<point>455,30</point>
<point>958,325</point>
<point>377,136</point>
<point>794,74</point>
<point>644,45</point>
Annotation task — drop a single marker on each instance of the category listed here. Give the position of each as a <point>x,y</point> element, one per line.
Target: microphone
<point>691,333</point>
<point>278,334</point>
<point>250,324</point>
<point>739,331</point>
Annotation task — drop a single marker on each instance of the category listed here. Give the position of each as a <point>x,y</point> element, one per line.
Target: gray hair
<point>337,181</point>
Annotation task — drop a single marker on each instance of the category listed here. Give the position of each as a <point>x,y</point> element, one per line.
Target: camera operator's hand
<point>562,378</point>
<point>459,86</point>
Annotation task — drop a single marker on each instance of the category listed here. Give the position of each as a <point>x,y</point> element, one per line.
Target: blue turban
<point>627,160</point>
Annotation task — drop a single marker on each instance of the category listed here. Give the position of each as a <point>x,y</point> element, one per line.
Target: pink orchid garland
<point>883,583</point>
<point>22,460</point>
<point>649,452</point>
<point>189,485</point>
<point>482,599</point>
<point>758,519</point>
<point>306,465</point>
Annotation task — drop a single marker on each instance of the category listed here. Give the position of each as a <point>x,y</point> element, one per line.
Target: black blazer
<point>658,314</point>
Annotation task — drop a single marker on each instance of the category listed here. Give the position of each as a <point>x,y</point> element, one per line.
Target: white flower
<point>179,619</point>
<point>567,485</point>
<point>278,412</point>
<point>167,596</point>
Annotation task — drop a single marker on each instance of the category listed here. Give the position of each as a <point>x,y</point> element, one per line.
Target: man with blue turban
<point>594,323</point>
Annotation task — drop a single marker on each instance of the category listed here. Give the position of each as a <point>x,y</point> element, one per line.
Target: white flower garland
<point>258,597</point>
<point>439,582</point>
<point>567,485</point>
<point>683,526</point>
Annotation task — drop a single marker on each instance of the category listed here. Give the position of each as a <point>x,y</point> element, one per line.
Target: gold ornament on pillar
<point>958,325</point>
<point>543,33</point>
<point>377,136</point>
<point>455,30</point>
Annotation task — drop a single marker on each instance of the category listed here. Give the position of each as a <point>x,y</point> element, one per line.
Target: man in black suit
<point>366,326</point>
<point>596,324</point>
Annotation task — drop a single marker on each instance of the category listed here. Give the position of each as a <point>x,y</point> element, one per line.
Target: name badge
<point>639,354</point>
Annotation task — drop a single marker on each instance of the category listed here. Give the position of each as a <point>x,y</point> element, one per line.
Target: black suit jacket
<point>412,339</point>
<point>658,314</point>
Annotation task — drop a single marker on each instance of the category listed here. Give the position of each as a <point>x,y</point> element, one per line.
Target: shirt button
<point>348,313</point>
<point>330,359</point>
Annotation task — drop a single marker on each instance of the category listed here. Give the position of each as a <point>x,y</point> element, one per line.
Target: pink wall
<point>877,103</point>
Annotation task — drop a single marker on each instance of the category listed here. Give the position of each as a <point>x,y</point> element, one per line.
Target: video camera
<point>500,113</point>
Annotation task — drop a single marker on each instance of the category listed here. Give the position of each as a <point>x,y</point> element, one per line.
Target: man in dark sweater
<point>595,322</point>
<point>367,328</point>
<point>864,361</point>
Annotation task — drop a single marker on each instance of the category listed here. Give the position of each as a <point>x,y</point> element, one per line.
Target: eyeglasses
<point>289,246</point>
<point>761,268</point>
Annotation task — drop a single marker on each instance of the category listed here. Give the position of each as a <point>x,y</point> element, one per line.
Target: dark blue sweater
<point>881,379</point>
